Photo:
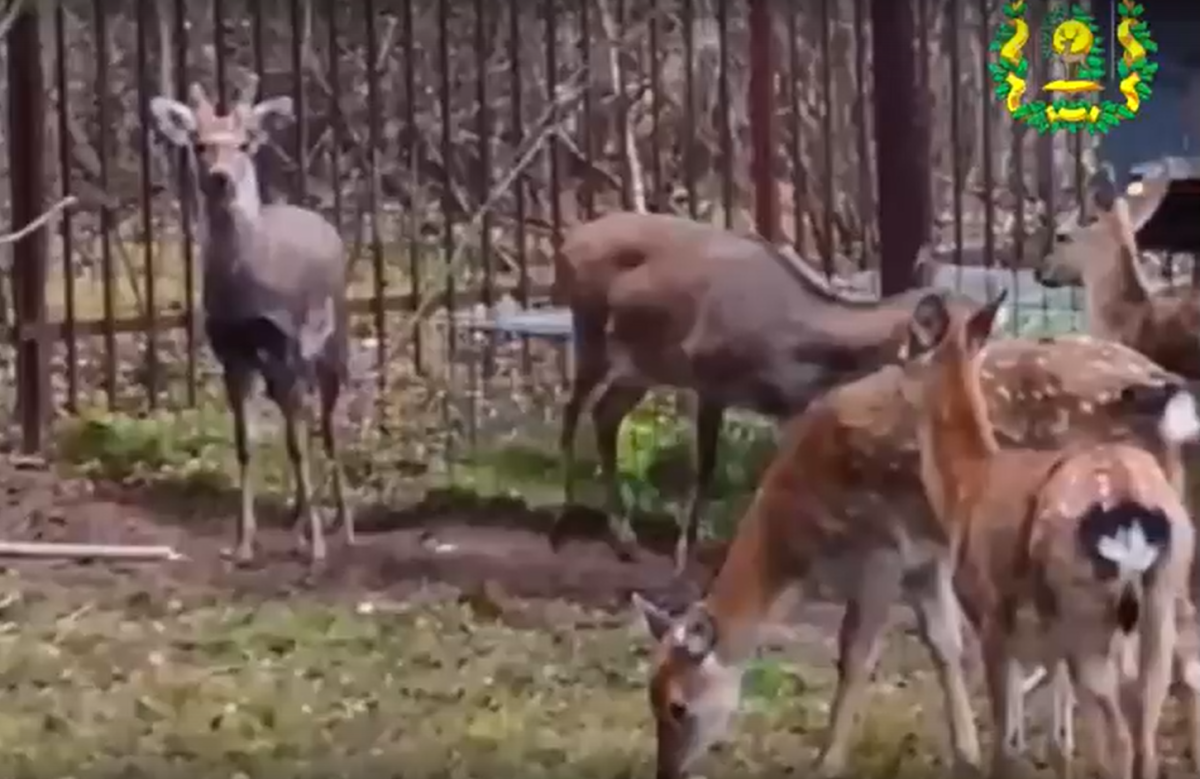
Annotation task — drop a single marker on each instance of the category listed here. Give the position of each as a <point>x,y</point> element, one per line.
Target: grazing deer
<point>274,296</point>
<point>660,300</point>
<point>1093,539</point>
<point>843,500</point>
<point>1102,254</point>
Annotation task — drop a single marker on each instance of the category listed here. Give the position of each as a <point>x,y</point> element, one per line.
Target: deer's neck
<point>956,438</point>
<point>873,330</point>
<point>754,575</point>
<point>229,229</point>
<point>1113,289</point>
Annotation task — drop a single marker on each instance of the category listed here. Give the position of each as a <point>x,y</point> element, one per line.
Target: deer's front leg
<point>238,381</point>
<point>860,641</point>
<point>939,619</point>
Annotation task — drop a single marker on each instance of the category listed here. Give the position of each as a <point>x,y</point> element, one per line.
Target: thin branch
<point>40,222</point>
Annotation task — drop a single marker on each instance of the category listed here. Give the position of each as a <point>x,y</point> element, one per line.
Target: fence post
<point>26,152</point>
<point>901,130</point>
<point>762,119</point>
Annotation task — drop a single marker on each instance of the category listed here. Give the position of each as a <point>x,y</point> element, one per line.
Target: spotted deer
<point>1093,540</point>
<point>274,296</point>
<point>843,501</point>
<point>1120,303</point>
<point>664,301</point>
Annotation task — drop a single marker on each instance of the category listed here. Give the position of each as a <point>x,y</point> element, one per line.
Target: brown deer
<point>1092,539</point>
<point>1102,254</point>
<point>843,500</point>
<point>660,300</point>
<point>274,295</point>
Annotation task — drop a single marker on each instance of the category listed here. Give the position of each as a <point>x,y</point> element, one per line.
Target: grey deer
<point>274,297</point>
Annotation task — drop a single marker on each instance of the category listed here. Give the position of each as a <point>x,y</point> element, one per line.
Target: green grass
<point>155,687</point>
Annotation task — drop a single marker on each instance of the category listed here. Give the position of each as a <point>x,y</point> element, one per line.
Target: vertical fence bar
<point>26,155</point>
<point>800,181</point>
<point>828,206</point>
<point>258,42</point>
<point>413,153</point>
<point>660,198</point>
<point>180,36</point>
<point>862,130</point>
<point>898,150</point>
<point>516,141</point>
<point>762,119</point>
<point>483,129</point>
<point>103,148</point>
<point>446,110</point>
<point>724,118</point>
<point>587,115</point>
<point>986,116</point>
<point>218,18</point>
<point>335,112</point>
<point>379,272</point>
<point>66,233</point>
<point>296,17</point>
<point>957,174</point>
<point>149,249</point>
<point>924,185</point>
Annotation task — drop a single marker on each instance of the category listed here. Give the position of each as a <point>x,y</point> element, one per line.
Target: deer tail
<point>1125,542</point>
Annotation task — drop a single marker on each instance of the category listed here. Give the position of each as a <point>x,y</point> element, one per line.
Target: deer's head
<point>944,340</point>
<point>220,147</point>
<point>693,692</point>
<point>1116,218</point>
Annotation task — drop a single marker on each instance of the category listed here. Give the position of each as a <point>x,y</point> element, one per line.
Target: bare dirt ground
<point>498,544</point>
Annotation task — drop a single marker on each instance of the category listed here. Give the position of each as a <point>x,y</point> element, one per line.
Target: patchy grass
<point>190,451</point>
<point>145,687</point>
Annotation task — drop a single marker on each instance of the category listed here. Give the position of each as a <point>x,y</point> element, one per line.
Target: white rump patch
<point>1180,420</point>
<point>1129,549</point>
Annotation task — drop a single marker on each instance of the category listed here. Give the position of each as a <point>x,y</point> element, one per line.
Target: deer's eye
<point>200,147</point>
<point>677,711</point>
<point>1062,238</point>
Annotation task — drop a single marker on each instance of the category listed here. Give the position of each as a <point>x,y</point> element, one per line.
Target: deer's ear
<point>656,620</point>
<point>1145,196</point>
<point>280,107</point>
<point>175,120</point>
<point>1102,187</point>
<point>928,326</point>
<point>981,324</point>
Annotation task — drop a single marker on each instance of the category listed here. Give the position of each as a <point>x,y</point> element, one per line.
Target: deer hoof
<point>241,556</point>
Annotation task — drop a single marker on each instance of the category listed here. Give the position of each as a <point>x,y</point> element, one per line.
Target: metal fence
<point>451,139</point>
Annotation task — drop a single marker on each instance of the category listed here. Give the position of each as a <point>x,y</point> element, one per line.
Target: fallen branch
<point>46,551</point>
<point>40,222</point>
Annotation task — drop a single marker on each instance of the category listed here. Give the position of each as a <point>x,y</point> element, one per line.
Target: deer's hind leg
<point>329,388</point>
<point>709,417</point>
<point>289,395</point>
<point>1156,656</point>
<point>860,643</point>
<point>614,404</point>
<point>940,621</point>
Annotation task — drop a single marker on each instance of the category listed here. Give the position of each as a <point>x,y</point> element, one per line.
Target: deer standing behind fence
<point>1092,540</point>
<point>1102,254</point>
<point>274,297</point>
<point>843,501</point>
<point>665,301</point>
